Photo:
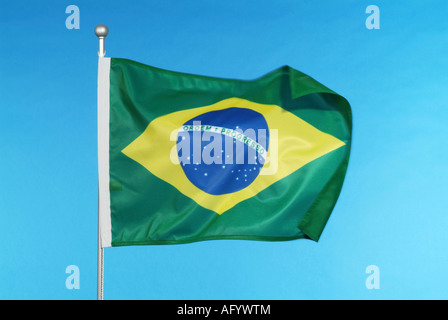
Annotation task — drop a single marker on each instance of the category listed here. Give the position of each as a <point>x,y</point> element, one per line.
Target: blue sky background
<point>392,211</point>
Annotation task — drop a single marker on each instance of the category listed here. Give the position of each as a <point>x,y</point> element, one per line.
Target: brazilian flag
<point>186,158</point>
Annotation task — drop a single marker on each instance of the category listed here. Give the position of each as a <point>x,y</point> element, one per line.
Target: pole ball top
<point>101,31</point>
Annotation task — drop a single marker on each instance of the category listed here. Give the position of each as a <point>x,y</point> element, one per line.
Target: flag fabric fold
<point>185,158</point>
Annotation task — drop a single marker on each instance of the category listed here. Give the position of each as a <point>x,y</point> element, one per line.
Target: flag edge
<point>104,218</point>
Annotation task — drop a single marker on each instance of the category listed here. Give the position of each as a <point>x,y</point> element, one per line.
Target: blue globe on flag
<point>223,151</point>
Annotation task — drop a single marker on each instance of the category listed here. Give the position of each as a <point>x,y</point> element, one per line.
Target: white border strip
<point>104,219</point>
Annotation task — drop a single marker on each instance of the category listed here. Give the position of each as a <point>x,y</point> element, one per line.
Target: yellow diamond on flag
<point>292,144</point>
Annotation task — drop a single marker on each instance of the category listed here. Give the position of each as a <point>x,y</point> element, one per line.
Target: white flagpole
<point>101,32</point>
<point>100,284</point>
